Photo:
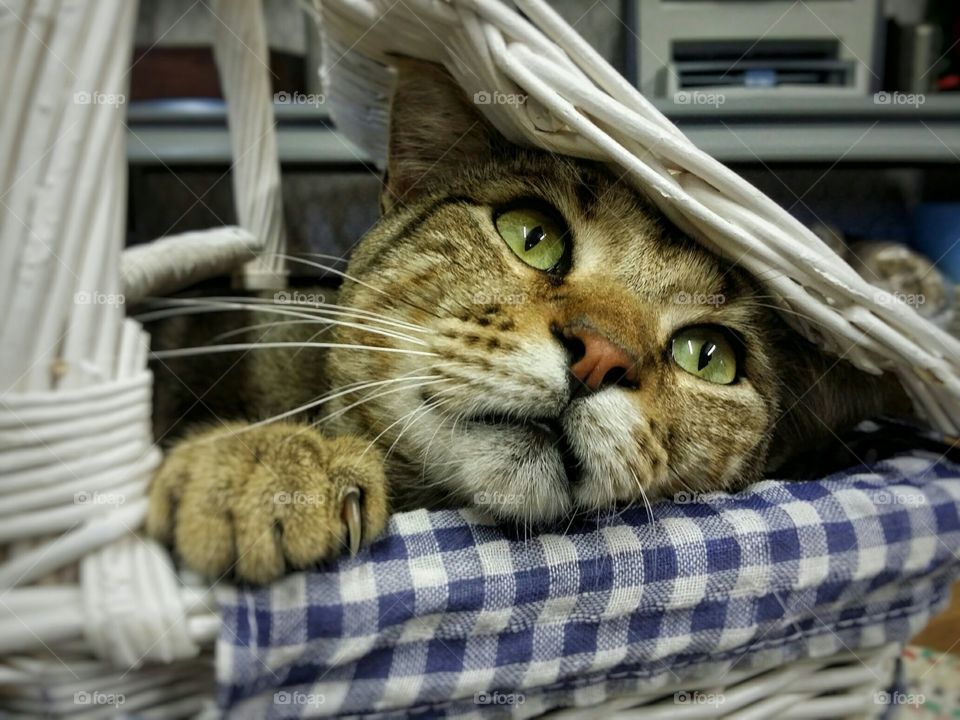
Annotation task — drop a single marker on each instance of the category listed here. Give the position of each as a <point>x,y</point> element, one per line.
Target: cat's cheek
<point>719,434</point>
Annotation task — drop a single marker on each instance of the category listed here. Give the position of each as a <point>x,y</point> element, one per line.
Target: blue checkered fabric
<point>451,615</point>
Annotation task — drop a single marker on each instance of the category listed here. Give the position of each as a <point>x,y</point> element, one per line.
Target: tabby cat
<point>521,331</point>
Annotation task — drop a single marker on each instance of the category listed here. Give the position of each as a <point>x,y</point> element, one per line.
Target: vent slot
<point>760,64</point>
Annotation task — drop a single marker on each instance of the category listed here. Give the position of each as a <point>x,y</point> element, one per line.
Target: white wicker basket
<point>846,685</point>
<point>89,610</point>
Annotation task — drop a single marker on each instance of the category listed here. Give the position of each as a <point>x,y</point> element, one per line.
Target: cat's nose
<point>598,362</point>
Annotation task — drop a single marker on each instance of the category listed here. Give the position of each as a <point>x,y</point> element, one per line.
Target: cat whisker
<point>414,382</point>
<point>266,326</point>
<point>358,281</point>
<point>444,416</point>
<point>643,496</point>
<point>372,396</point>
<point>216,306</point>
<point>239,347</point>
<point>680,481</point>
<point>350,310</point>
<point>358,403</point>
<point>573,517</point>
<point>305,407</point>
<point>326,256</point>
<point>380,317</point>
<point>422,409</point>
<point>312,338</point>
<point>344,275</point>
<point>391,425</point>
<point>187,306</point>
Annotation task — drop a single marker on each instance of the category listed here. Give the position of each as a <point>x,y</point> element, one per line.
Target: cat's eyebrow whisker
<point>238,347</point>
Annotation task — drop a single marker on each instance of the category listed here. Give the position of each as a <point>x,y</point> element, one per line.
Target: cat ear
<point>435,129</point>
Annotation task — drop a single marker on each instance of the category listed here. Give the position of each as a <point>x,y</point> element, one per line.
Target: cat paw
<point>256,503</point>
<point>905,273</point>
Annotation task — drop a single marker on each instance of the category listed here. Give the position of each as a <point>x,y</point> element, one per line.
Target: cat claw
<point>350,512</point>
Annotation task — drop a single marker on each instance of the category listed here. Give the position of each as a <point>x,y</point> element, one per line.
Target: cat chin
<point>536,471</point>
<point>515,472</point>
<point>598,454</point>
<point>621,461</point>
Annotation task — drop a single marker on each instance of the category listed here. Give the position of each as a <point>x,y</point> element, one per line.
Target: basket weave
<point>82,596</point>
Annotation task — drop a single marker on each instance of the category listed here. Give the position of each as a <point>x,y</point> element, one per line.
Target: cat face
<point>575,351</point>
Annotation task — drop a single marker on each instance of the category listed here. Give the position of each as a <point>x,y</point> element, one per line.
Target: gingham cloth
<point>451,615</point>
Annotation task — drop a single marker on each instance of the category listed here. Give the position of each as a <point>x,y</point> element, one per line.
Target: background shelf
<point>740,130</point>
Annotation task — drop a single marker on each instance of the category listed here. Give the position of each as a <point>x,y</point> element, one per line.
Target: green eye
<point>707,353</point>
<point>536,237</point>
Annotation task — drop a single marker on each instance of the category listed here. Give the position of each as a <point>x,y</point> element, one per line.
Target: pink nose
<point>603,362</point>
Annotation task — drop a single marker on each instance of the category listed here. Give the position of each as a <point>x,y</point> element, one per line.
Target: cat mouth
<point>546,430</point>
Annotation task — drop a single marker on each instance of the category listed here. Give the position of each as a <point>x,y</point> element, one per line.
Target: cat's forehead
<point>617,234</point>
<point>619,231</point>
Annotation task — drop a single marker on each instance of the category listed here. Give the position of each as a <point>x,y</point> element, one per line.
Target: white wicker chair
<point>90,612</point>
